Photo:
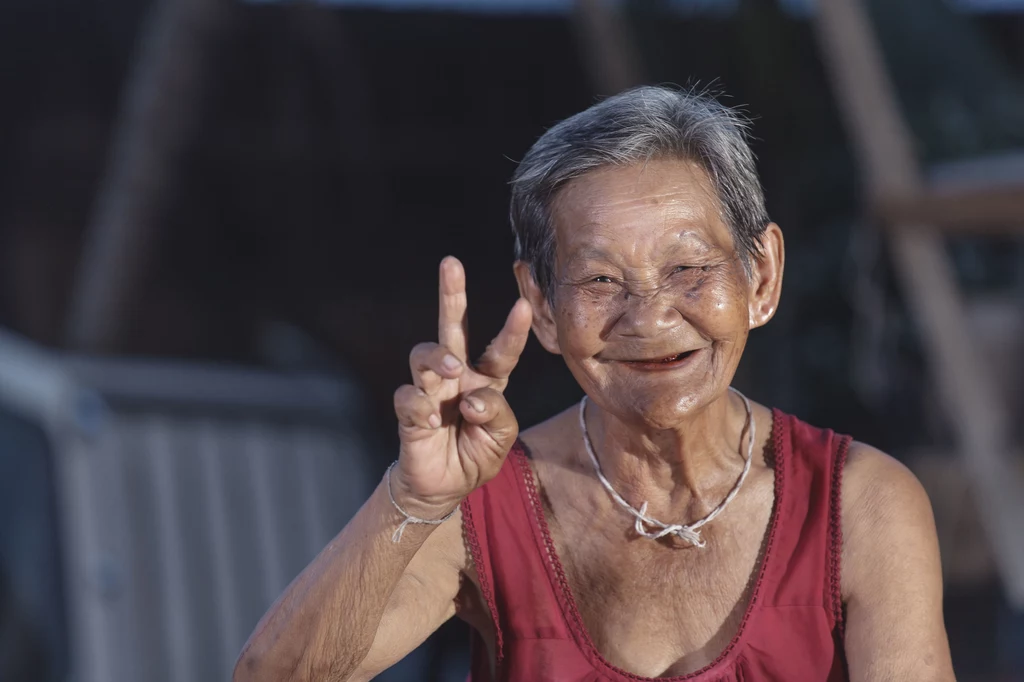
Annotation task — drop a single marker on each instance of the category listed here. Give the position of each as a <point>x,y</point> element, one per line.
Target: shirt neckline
<point>560,584</point>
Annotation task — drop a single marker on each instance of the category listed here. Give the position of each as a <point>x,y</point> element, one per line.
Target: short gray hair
<point>632,127</point>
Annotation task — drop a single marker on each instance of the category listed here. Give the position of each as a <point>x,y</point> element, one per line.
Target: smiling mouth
<point>663,361</point>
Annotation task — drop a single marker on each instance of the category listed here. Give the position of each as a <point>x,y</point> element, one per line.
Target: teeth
<point>665,360</point>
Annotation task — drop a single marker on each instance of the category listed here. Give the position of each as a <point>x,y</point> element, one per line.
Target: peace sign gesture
<point>453,421</point>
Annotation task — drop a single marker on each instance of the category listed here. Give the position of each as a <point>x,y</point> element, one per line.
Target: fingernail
<point>451,363</point>
<point>476,403</point>
<point>434,421</point>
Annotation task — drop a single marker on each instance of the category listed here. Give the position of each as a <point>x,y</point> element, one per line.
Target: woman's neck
<point>680,471</point>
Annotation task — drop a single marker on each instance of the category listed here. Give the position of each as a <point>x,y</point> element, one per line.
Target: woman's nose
<point>648,314</point>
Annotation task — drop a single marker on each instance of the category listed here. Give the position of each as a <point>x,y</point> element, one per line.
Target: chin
<point>666,410</point>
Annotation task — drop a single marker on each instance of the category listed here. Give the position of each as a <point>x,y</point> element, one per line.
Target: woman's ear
<point>766,277</point>
<point>544,327</point>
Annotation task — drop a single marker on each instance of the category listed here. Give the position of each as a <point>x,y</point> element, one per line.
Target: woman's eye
<point>603,279</point>
<point>682,268</point>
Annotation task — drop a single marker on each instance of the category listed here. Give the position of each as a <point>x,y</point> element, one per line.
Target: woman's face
<point>652,303</point>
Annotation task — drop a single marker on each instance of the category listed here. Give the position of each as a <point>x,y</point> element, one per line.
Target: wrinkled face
<point>652,304</point>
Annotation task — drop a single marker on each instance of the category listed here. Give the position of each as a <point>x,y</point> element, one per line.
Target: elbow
<point>249,668</point>
<point>244,670</point>
<point>254,666</point>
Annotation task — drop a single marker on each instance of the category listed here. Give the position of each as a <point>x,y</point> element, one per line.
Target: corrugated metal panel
<point>199,525</point>
<point>225,563</point>
<point>93,624</point>
<point>188,496</point>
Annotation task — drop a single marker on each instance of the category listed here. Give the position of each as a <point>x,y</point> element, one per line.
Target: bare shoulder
<point>884,509</point>
<point>878,489</point>
<point>877,486</point>
<point>891,576</point>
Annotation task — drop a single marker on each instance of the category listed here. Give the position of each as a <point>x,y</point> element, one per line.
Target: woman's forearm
<point>324,624</point>
<point>455,429</point>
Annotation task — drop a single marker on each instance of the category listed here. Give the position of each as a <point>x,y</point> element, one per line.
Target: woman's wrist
<point>421,508</point>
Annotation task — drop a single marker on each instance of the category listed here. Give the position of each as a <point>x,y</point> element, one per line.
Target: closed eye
<point>684,268</point>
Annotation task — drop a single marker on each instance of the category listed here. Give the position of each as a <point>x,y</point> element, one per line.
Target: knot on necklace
<point>684,533</point>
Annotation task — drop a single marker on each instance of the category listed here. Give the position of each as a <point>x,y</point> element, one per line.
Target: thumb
<point>489,418</point>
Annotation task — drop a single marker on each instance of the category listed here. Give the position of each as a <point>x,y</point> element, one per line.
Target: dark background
<point>335,155</point>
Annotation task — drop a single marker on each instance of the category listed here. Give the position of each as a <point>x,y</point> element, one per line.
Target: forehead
<point>638,203</point>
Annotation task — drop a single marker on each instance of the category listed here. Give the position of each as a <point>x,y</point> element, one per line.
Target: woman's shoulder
<point>878,495</point>
<point>880,501</point>
<point>877,487</point>
<point>883,506</point>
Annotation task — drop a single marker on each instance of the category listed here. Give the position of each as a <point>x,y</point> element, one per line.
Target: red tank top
<point>791,630</point>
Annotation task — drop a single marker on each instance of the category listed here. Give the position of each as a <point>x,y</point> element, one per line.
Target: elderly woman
<point>666,526</point>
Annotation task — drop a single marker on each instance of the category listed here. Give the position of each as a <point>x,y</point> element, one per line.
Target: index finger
<point>451,319</point>
<point>503,353</point>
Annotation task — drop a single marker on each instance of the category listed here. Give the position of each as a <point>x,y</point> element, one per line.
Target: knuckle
<point>488,393</point>
<point>427,379</point>
<point>492,400</point>
<point>422,349</point>
<point>405,394</point>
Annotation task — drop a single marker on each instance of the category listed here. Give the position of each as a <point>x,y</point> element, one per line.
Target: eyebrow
<point>588,253</point>
<point>692,236</point>
<point>595,253</point>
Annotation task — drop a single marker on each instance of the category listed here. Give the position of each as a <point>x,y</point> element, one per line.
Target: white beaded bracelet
<point>409,518</point>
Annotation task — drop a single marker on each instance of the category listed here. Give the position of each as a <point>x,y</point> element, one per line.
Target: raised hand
<point>453,421</point>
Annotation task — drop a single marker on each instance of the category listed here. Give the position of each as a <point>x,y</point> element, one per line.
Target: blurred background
<point>220,225</point>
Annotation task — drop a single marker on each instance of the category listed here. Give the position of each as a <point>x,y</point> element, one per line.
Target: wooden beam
<point>882,145</point>
<point>989,210</point>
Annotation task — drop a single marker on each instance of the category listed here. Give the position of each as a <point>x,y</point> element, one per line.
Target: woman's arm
<point>371,597</point>
<point>362,604</point>
<point>891,575</point>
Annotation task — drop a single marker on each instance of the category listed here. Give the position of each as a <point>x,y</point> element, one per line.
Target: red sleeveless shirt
<point>790,632</point>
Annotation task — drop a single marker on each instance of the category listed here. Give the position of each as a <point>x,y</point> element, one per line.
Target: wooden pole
<point>606,46</point>
<point>159,110</point>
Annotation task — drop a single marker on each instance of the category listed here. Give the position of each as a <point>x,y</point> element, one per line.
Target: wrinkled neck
<point>683,469</point>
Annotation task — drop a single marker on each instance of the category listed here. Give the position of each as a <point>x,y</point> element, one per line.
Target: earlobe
<point>544,330</point>
<point>761,315</point>
<point>767,285</point>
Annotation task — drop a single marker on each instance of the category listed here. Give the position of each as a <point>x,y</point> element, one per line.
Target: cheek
<point>717,301</point>
<point>581,321</point>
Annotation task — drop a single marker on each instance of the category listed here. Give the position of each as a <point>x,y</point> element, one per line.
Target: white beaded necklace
<point>687,532</point>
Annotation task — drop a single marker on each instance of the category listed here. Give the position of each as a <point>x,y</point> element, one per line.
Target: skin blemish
<point>694,291</point>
